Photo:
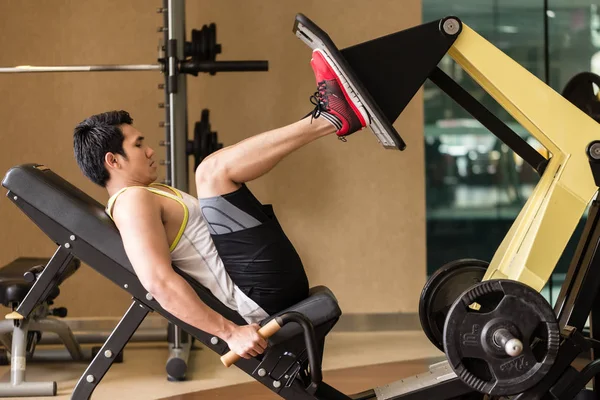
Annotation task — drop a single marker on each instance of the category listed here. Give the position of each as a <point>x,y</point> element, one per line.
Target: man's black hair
<point>96,136</point>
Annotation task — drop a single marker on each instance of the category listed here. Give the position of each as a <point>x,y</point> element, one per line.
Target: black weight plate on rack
<point>442,289</point>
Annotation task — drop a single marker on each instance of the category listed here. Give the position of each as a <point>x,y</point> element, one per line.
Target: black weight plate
<point>205,141</point>
<point>211,49</point>
<point>474,354</point>
<point>201,148</point>
<point>204,45</point>
<point>207,43</point>
<point>443,287</point>
<point>196,45</point>
<point>196,145</point>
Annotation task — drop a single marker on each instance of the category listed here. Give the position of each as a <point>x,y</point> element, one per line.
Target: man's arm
<point>138,217</point>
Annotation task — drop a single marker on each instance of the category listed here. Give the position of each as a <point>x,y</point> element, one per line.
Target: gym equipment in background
<point>205,141</point>
<point>177,58</point>
<point>581,92</point>
<point>20,339</point>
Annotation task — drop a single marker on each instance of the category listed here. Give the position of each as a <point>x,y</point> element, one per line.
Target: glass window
<point>475,184</point>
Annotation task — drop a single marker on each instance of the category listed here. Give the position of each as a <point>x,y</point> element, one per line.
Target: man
<point>225,239</point>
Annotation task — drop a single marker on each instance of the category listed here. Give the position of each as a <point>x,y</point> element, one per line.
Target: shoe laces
<point>319,100</point>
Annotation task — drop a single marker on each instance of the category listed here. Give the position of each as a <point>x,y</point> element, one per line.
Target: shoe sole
<point>317,39</point>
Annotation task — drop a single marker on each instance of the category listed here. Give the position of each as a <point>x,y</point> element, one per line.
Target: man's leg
<point>335,112</point>
<point>224,171</point>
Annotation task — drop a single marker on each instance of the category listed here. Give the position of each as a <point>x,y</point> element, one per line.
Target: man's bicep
<point>138,219</point>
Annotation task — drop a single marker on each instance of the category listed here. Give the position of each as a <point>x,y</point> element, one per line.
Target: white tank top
<point>193,251</point>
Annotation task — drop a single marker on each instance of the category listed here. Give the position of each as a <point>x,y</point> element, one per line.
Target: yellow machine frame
<point>533,245</point>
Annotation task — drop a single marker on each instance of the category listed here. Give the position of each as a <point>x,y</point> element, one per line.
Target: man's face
<point>139,166</point>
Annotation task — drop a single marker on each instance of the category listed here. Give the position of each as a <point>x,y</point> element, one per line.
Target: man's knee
<point>212,178</point>
<point>210,170</point>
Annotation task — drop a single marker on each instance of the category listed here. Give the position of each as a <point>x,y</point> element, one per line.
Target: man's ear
<point>111,161</point>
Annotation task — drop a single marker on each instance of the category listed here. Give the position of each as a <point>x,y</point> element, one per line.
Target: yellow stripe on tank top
<point>172,189</point>
<point>159,192</point>
<point>186,214</point>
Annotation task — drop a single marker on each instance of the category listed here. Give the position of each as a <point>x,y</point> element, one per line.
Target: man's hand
<point>245,341</point>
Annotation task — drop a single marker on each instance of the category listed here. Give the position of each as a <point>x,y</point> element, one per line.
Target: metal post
<point>177,175</point>
<point>81,68</point>
<point>19,353</point>
<point>177,91</point>
<point>18,386</point>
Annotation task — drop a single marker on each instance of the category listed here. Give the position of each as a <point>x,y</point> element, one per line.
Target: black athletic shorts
<point>261,260</point>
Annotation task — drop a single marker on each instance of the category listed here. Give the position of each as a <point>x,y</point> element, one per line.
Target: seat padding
<point>320,307</point>
<point>14,287</point>
<point>14,270</point>
<point>84,217</point>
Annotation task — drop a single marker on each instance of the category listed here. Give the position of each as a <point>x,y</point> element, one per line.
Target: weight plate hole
<point>486,302</point>
<point>539,342</point>
<point>479,368</point>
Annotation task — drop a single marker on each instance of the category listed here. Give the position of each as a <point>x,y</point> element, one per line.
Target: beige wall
<point>354,210</point>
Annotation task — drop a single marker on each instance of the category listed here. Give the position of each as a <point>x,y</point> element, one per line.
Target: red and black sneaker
<point>332,101</point>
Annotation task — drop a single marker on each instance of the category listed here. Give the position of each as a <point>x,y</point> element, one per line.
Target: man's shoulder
<point>135,198</point>
<point>135,192</point>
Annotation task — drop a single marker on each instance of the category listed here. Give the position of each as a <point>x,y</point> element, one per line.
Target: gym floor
<point>347,356</point>
<point>347,380</point>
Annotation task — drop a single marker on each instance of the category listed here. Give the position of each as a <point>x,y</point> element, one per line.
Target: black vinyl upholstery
<point>52,200</point>
<point>14,287</point>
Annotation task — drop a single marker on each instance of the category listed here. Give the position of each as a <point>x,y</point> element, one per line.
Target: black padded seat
<point>14,286</point>
<point>61,210</point>
<point>321,307</point>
